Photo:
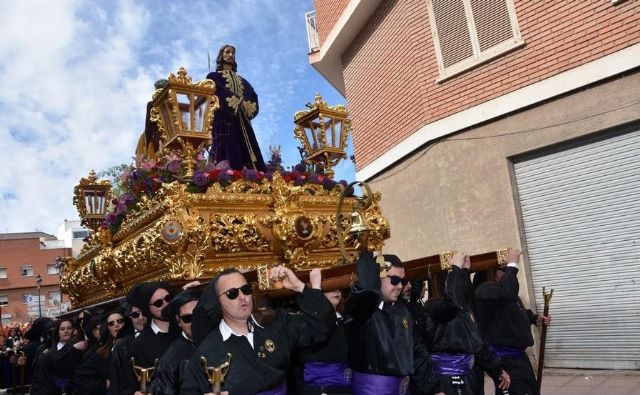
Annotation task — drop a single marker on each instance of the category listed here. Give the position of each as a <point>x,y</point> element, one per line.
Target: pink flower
<point>147,164</point>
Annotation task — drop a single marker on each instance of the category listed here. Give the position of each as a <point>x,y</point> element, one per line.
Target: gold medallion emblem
<point>405,323</point>
<point>269,345</point>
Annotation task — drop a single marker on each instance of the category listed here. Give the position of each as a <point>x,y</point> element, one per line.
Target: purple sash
<point>508,352</point>
<point>367,384</point>
<point>327,374</point>
<point>279,390</point>
<point>62,383</point>
<point>452,364</point>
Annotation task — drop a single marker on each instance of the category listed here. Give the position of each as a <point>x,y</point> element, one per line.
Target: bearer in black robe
<point>233,138</point>
<point>35,335</point>
<point>453,337</point>
<point>156,337</point>
<point>120,358</point>
<point>260,352</point>
<point>56,365</point>
<point>169,373</point>
<point>382,345</point>
<point>506,325</point>
<point>323,368</point>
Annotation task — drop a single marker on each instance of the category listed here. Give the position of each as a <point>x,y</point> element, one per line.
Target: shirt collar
<point>59,346</point>
<point>155,328</point>
<point>226,331</point>
<point>186,337</point>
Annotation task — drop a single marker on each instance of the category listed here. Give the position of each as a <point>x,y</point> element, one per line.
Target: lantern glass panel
<point>199,107</point>
<point>168,119</point>
<point>95,202</point>
<point>184,105</point>
<point>329,130</point>
<point>312,131</point>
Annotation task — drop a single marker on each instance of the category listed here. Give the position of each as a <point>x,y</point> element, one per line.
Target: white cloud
<point>77,76</point>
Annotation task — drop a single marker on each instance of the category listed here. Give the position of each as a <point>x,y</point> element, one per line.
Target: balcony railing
<point>312,32</point>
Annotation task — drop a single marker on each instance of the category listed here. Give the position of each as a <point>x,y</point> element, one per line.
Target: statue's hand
<point>249,108</point>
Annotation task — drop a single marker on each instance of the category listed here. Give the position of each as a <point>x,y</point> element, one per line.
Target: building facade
<point>73,234</point>
<point>24,256</point>
<point>505,123</point>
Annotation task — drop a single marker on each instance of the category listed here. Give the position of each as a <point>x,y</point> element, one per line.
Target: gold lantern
<point>323,131</point>
<point>91,198</point>
<point>183,112</point>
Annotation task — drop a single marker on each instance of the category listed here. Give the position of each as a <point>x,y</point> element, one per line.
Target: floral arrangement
<point>146,176</point>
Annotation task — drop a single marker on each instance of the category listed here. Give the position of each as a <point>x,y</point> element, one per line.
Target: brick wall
<point>327,14</point>
<point>15,253</point>
<point>390,69</point>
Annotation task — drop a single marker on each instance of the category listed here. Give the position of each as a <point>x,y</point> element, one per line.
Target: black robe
<point>119,365</point>
<point>169,373</point>
<point>505,322</point>
<point>382,340</point>
<point>333,350</point>
<point>53,367</point>
<point>91,376</point>
<point>145,349</point>
<point>264,366</point>
<point>450,327</point>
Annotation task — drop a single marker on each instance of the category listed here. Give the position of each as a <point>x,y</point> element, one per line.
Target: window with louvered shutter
<point>467,33</point>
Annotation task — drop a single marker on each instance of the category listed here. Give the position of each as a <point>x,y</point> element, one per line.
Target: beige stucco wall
<point>458,193</point>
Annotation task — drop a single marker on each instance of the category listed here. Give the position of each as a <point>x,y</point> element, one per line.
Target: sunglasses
<point>118,321</point>
<point>233,293</point>
<point>186,318</point>
<point>158,303</point>
<point>395,280</point>
<point>135,314</point>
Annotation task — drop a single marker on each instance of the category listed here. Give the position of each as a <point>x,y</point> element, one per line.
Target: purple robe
<point>233,138</point>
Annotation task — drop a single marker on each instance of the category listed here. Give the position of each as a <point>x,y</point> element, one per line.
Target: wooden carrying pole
<point>344,276</point>
<point>543,336</point>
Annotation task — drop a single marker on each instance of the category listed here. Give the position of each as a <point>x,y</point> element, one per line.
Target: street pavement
<point>582,382</point>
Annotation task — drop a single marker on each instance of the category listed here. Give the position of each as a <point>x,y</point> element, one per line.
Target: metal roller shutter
<point>581,215</point>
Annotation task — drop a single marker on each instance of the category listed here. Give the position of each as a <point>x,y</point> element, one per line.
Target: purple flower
<point>135,174</point>
<point>121,209</point>
<point>313,178</point>
<point>173,166</point>
<point>299,179</point>
<point>109,219</point>
<point>300,167</point>
<point>249,174</point>
<point>127,198</point>
<point>200,178</point>
<point>328,183</point>
<point>224,178</point>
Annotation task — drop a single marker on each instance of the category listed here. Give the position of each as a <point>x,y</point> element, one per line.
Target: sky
<point>77,74</point>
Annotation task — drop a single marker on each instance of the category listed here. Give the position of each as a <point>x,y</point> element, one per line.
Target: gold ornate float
<point>175,233</point>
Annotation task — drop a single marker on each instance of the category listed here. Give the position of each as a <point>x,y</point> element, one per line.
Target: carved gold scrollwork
<point>263,277</point>
<point>234,233</point>
<point>501,255</point>
<point>182,235</point>
<point>445,260</point>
